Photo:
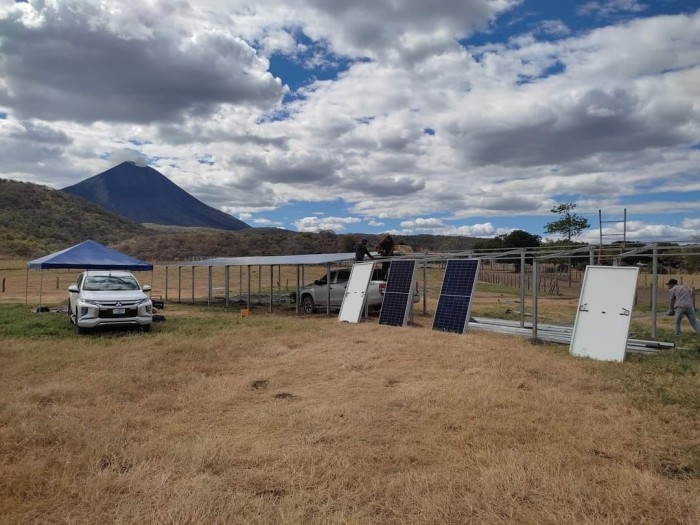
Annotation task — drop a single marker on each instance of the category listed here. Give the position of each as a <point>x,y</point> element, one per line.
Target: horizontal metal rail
<point>557,334</point>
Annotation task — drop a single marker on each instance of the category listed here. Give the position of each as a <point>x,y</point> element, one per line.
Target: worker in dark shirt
<point>386,246</point>
<point>386,249</point>
<point>361,250</point>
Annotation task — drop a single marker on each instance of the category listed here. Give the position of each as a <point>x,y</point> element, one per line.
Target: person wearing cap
<point>361,250</point>
<point>680,302</point>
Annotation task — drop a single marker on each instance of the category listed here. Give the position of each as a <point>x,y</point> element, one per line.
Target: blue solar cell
<point>459,277</point>
<point>401,276</point>
<point>454,303</point>
<point>451,314</point>
<point>398,296</point>
<point>393,309</point>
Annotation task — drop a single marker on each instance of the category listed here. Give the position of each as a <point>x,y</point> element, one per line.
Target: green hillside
<point>36,220</point>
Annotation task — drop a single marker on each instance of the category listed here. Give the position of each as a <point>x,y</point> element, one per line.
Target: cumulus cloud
<point>610,7</point>
<point>436,226</point>
<point>124,62</point>
<point>316,224</point>
<point>389,30</point>
<point>262,222</point>
<point>128,155</point>
<point>416,123</point>
<point>645,232</point>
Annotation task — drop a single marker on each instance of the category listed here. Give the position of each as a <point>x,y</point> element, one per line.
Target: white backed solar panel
<point>398,295</point>
<point>604,312</point>
<point>356,292</point>
<point>456,292</point>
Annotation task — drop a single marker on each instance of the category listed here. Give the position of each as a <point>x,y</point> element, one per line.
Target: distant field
<point>493,299</point>
<point>278,419</point>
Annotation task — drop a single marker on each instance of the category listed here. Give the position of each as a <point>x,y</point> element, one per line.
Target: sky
<point>447,117</point>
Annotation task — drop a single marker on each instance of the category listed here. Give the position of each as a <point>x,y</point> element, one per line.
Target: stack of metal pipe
<point>557,334</point>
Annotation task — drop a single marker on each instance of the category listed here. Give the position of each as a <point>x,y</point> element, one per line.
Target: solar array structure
<point>454,303</point>
<point>398,296</point>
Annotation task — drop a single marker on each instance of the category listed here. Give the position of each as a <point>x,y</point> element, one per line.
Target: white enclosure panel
<point>356,292</point>
<point>604,312</point>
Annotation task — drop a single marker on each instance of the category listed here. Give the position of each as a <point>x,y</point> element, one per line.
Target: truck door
<point>340,283</point>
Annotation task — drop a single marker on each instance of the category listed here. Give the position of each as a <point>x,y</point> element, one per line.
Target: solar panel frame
<point>456,294</point>
<point>355,296</point>
<point>397,305</point>
<point>604,313</point>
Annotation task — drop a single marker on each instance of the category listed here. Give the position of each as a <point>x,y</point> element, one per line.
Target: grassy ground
<point>279,419</point>
<point>215,418</point>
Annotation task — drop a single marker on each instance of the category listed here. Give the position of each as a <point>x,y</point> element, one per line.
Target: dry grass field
<point>275,419</point>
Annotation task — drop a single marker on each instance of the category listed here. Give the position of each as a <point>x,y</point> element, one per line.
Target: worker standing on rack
<point>361,250</point>
<point>385,247</point>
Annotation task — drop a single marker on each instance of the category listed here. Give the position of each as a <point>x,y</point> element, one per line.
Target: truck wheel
<point>307,304</point>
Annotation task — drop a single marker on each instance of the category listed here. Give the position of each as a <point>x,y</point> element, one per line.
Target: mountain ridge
<point>145,195</point>
<point>36,220</point>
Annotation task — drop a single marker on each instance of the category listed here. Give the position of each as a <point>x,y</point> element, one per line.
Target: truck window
<point>377,274</point>
<point>343,276</point>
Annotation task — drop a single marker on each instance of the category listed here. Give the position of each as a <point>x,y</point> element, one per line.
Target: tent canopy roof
<point>89,255</point>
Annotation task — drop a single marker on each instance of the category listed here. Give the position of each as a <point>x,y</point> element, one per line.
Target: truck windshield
<point>99,283</point>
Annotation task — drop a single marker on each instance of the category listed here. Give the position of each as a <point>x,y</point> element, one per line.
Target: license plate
<point>118,311</point>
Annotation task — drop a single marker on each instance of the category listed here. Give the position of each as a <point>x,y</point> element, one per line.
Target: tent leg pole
<point>26,289</point>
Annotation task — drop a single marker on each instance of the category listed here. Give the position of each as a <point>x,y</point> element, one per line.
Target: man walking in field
<point>680,302</point>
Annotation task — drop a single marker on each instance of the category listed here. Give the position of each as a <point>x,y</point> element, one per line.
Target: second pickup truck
<point>315,296</point>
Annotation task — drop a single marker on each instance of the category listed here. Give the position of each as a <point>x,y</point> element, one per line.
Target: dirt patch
<point>284,395</point>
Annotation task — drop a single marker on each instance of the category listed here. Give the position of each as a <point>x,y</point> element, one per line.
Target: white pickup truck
<point>315,296</point>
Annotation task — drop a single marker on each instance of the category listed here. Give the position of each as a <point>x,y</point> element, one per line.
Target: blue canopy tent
<point>88,255</point>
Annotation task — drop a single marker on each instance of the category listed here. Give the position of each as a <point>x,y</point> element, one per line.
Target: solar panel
<point>604,311</point>
<point>454,303</point>
<point>398,296</point>
<point>356,292</point>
